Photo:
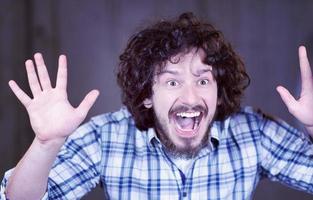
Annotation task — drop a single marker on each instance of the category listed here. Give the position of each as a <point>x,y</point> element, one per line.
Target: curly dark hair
<point>149,50</point>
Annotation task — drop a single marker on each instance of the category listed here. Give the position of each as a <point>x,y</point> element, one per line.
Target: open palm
<point>51,115</point>
<point>302,107</point>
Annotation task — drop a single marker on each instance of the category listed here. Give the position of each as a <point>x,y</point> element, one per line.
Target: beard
<point>189,150</point>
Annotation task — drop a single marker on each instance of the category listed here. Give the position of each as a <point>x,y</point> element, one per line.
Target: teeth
<point>196,124</point>
<point>188,114</point>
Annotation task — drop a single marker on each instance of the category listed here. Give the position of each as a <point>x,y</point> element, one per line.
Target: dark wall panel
<point>93,33</point>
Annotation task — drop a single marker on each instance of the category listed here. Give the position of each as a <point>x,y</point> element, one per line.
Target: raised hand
<point>301,108</point>
<point>51,115</point>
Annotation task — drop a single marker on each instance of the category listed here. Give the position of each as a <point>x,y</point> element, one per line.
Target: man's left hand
<point>301,108</point>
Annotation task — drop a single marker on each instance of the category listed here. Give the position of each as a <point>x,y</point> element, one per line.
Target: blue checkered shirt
<point>132,164</point>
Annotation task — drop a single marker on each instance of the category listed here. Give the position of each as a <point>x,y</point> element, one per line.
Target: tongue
<point>185,123</point>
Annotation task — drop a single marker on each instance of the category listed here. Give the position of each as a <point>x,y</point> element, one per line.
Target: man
<point>181,135</point>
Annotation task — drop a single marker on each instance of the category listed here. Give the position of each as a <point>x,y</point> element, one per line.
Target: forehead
<point>188,61</point>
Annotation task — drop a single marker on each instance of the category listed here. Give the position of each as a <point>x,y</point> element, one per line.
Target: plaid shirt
<point>132,164</point>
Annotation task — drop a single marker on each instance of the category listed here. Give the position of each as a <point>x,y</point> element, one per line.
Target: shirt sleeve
<point>76,169</point>
<point>4,184</point>
<point>286,154</point>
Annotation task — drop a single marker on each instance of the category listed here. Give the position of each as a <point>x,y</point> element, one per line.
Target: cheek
<point>162,103</point>
<point>211,100</point>
<point>163,99</point>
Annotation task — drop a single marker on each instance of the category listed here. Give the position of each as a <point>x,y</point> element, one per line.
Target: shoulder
<point>254,121</point>
<point>247,116</point>
<point>118,117</point>
<point>107,122</point>
<point>243,126</point>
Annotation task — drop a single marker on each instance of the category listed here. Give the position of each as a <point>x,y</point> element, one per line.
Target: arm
<point>53,119</point>
<point>285,154</point>
<point>301,108</point>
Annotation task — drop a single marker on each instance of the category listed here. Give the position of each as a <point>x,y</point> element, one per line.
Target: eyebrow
<point>202,71</point>
<point>167,71</point>
<point>174,72</point>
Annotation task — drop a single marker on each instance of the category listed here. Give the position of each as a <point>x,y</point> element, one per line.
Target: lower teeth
<point>195,125</point>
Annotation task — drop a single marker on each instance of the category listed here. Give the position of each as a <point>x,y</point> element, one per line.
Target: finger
<point>20,94</point>
<point>305,69</point>
<point>62,73</point>
<point>42,72</point>
<point>32,78</point>
<point>287,98</point>
<point>87,103</point>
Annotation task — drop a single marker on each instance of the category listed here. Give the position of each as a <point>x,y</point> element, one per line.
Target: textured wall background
<point>93,33</point>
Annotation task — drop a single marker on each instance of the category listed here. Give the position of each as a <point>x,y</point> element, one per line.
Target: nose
<point>190,96</point>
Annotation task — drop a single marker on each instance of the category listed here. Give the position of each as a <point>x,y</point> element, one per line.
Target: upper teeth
<point>188,114</point>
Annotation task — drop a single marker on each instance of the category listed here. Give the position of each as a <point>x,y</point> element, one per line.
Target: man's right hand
<point>51,115</point>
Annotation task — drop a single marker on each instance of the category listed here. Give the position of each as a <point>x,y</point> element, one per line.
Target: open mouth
<point>187,123</point>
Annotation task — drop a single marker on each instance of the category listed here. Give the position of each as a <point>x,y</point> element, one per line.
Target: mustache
<point>186,108</point>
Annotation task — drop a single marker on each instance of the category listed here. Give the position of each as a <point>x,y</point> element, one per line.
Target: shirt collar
<point>151,135</point>
<point>215,133</point>
<point>219,131</point>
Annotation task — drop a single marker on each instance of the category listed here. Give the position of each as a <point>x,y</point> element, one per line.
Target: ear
<point>147,103</point>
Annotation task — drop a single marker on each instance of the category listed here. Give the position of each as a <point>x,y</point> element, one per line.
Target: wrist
<point>49,144</point>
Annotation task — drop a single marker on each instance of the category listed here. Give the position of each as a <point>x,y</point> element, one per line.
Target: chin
<point>185,148</point>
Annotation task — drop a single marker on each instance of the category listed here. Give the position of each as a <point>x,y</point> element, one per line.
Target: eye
<point>172,83</point>
<point>204,82</point>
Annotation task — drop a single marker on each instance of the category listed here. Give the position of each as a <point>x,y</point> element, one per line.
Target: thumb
<point>87,102</point>
<point>287,98</point>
